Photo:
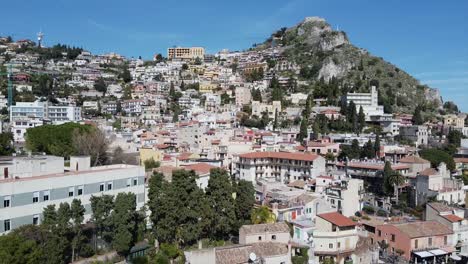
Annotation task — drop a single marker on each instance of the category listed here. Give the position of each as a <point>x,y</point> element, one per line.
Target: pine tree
<point>102,207</point>
<point>188,198</point>
<point>77,212</point>
<point>368,150</point>
<point>219,196</point>
<point>123,222</point>
<point>245,199</point>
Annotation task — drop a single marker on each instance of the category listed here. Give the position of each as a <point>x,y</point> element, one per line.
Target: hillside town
<point>232,157</point>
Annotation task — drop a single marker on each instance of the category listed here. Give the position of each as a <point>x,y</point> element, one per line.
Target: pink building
<point>415,241</point>
<point>323,147</point>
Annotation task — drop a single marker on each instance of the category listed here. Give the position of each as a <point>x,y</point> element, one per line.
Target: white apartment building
<point>212,102</point>
<point>279,166</point>
<point>19,128</point>
<point>368,102</point>
<point>258,108</point>
<point>44,111</point>
<point>243,96</point>
<point>346,196</point>
<point>29,184</point>
<point>133,106</point>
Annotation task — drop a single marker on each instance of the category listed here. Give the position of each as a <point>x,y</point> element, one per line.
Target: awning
<point>438,252</point>
<point>423,254</point>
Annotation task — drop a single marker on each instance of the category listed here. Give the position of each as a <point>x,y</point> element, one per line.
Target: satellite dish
<point>253,257</point>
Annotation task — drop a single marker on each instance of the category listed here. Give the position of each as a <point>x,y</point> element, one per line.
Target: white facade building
<point>44,111</point>
<point>29,184</point>
<point>368,102</point>
<point>280,166</point>
<point>19,127</point>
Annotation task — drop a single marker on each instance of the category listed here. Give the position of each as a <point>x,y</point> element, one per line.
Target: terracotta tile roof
<point>162,146</point>
<point>414,159</point>
<point>452,218</point>
<point>297,184</point>
<point>280,155</point>
<point>440,207</point>
<point>423,229</point>
<point>300,148</point>
<point>337,219</point>
<point>265,228</point>
<point>184,156</point>
<point>200,168</point>
<point>372,166</point>
<point>461,160</point>
<point>429,172</point>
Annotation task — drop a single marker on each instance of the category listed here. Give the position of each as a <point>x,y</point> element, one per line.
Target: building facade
<point>281,166</point>
<point>29,184</point>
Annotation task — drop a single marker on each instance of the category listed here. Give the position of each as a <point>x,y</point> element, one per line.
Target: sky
<point>426,38</point>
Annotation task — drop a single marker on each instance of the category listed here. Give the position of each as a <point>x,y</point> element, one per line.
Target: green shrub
<point>368,209</point>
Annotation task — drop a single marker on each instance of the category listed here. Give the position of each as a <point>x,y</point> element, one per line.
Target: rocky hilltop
<point>323,53</point>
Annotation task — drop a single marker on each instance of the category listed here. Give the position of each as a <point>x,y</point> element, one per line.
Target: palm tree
<point>395,180</point>
<point>262,215</point>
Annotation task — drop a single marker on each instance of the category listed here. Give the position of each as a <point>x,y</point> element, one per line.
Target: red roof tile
<point>337,219</point>
<point>200,168</point>
<point>452,218</point>
<point>280,155</point>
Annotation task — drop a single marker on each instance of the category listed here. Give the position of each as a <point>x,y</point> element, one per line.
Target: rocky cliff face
<point>322,52</point>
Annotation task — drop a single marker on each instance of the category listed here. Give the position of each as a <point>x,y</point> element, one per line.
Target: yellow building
<point>207,87</point>
<point>186,53</point>
<point>457,121</point>
<point>150,153</point>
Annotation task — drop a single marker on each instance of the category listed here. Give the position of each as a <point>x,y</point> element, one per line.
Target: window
<point>35,197</point>
<point>109,186</point>
<point>445,240</point>
<point>380,233</point>
<point>6,225</point>
<point>393,238</point>
<point>135,181</point>
<point>101,187</point>
<point>259,238</point>
<point>330,245</point>
<point>273,237</point>
<point>338,245</point>
<point>35,219</point>
<point>6,201</point>
<point>416,243</point>
<point>429,241</point>
<point>46,195</point>
<point>71,191</point>
<point>80,190</point>
<point>129,182</point>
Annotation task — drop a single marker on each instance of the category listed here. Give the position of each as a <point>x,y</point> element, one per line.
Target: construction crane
<point>9,75</point>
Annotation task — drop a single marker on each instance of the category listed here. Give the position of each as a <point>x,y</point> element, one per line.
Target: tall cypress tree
<point>361,119</point>
<point>303,133</point>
